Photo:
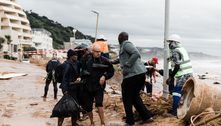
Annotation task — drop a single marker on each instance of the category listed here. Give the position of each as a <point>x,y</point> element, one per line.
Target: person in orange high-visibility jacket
<point>102,42</point>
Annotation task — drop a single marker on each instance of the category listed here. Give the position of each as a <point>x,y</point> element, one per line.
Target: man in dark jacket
<point>50,69</point>
<point>68,85</point>
<point>82,52</point>
<point>99,70</point>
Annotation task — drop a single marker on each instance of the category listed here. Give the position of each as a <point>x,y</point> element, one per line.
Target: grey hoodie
<point>130,60</point>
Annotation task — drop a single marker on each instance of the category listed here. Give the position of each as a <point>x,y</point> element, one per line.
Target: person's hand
<point>66,93</point>
<point>102,80</point>
<point>169,59</point>
<point>125,73</point>
<point>155,69</point>
<point>78,79</point>
<point>111,62</point>
<point>168,81</point>
<point>127,65</point>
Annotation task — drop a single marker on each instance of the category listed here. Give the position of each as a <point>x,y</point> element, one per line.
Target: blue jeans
<point>177,91</point>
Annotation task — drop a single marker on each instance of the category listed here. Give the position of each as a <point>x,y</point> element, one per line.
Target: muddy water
<point>21,103</point>
<point>20,97</point>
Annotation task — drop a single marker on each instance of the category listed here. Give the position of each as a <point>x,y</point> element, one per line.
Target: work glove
<point>170,80</point>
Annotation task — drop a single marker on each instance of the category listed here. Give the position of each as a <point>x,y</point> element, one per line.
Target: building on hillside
<point>14,23</point>
<point>75,42</point>
<point>69,45</point>
<point>42,39</point>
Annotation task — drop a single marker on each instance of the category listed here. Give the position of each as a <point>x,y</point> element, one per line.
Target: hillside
<point>148,52</point>
<point>59,33</point>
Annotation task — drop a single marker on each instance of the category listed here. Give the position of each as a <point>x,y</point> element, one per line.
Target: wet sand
<point>20,97</point>
<point>21,103</point>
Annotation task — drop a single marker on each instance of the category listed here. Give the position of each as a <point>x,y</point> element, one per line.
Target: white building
<point>15,24</point>
<point>75,42</point>
<point>41,39</point>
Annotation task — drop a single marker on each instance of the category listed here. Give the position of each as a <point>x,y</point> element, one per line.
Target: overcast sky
<point>198,22</point>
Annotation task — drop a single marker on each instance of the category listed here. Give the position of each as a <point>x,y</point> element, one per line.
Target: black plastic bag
<point>66,107</point>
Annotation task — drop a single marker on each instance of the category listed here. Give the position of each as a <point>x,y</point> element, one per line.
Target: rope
<point>204,118</point>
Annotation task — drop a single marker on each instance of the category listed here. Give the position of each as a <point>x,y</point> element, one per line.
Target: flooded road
<point>21,103</point>
<point>20,97</point>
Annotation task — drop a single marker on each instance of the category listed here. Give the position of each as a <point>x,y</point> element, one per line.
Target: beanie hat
<point>71,53</point>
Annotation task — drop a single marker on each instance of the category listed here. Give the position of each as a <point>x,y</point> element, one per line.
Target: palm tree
<point>9,40</point>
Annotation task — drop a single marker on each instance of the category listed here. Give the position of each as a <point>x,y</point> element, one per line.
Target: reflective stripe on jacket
<point>176,94</point>
<point>185,65</point>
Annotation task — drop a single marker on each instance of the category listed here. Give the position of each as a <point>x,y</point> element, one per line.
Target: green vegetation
<point>59,33</point>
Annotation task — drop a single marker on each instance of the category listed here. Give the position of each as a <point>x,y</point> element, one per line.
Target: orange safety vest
<point>103,45</point>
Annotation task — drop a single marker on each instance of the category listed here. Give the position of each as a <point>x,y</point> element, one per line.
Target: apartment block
<point>42,39</point>
<point>14,23</point>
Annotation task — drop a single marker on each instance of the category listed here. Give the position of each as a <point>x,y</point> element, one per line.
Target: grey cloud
<point>143,19</point>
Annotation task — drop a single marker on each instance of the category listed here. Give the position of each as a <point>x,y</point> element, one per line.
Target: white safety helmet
<point>174,37</point>
<point>101,37</point>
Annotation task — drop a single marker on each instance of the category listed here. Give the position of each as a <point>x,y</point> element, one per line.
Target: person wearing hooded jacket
<point>82,53</point>
<point>50,69</point>
<point>182,69</point>
<point>68,85</point>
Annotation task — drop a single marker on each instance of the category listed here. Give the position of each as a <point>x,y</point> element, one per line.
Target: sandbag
<point>66,107</point>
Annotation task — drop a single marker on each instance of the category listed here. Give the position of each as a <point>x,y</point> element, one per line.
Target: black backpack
<point>59,72</point>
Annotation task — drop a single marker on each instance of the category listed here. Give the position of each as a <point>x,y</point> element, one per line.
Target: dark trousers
<point>177,93</point>
<point>149,87</point>
<point>91,97</point>
<point>47,83</point>
<point>131,97</point>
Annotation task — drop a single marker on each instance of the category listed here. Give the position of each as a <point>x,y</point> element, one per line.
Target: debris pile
<point>157,107</point>
<point>9,75</point>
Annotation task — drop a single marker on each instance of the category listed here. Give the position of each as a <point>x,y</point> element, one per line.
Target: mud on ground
<point>21,103</point>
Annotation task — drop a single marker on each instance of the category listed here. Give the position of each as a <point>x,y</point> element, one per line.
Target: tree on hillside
<point>59,32</point>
